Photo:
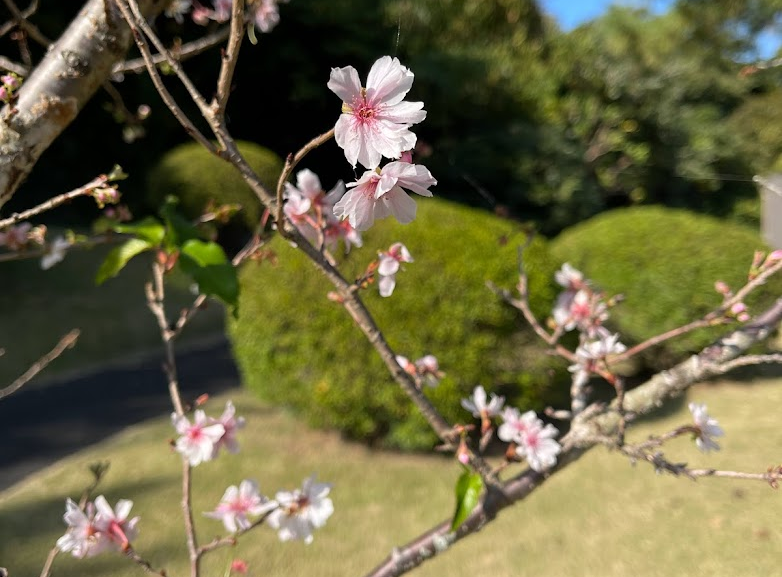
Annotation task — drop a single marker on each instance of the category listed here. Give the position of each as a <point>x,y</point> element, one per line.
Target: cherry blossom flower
<point>301,511</point>
<point>266,15</point>
<point>231,424</point>
<point>569,277</point>
<point>707,428</point>
<point>515,425</point>
<point>197,441</point>
<point>379,194</point>
<point>591,353</point>
<point>113,524</point>
<point>477,404</point>
<point>537,445</point>
<point>388,266</point>
<point>15,237</point>
<point>239,566</point>
<point>335,230</point>
<point>82,539</point>
<point>426,367</point>
<point>375,120</point>
<point>239,502</point>
<point>583,309</point>
<point>55,252</point>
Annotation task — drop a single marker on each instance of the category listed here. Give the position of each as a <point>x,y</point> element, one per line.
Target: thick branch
<point>644,399</point>
<point>59,87</point>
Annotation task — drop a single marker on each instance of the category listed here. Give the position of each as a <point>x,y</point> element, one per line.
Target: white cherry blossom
<point>239,502</point>
<point>375,120</point>
<point>301,511</point>
<point>197,441</point>
<point>707,428</point>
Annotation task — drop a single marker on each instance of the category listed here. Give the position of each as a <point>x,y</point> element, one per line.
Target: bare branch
<point>59,87</point>
<point>66,342</point>
<point>229,59</point>
<point>181,53</point>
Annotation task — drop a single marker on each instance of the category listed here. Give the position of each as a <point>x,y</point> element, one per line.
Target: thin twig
<point>66,342</point>
<point>181,53</point>
<point>30,29</point>
<point>54,202</point>
<point>47,566</point>
<point>290,164</point>
<point>131,554</point>
<point>157,80</point>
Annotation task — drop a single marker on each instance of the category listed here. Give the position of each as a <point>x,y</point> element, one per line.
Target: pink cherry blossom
<point>388,266</point>
<point>375,120</point>
<point>82,539</point>
<point>707,428</point>
<point>591,353</point>
<point>266,15</point>
<point>239,502</point>
<point>537,444</point>
<point>515,425</point>
<point>114,523</point>
<point>198,440</point>
<point>379,193</point>
<point>301,511</point>
<point>231,424</point>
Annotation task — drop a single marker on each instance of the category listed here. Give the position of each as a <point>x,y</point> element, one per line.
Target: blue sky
<point>571,13</point>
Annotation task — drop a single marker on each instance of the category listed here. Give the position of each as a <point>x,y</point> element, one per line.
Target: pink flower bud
<point>738,308</point>
<point>721,287</point>
<point>774,257</point>
<point>742,317</point>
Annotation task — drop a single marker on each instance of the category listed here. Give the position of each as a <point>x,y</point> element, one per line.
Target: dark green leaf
<point>179,230</point>
<point>119,257</point>
<point>468,492</point>
<point>206,263</point>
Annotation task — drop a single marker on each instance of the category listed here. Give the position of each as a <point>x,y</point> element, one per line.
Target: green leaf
<point>206,263</point>
<point>468,492</point>
<point>148,229</point>
<point>116,174</point>
<point>179,230</point>
<point>119,257</point>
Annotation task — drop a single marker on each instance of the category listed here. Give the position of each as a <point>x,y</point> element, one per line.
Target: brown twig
<point>66,342</point>
<point>290,164</point>
<point>137,25</point>
<point>182,53</point>
<point>30,29</point>
<point>54,202</point>
<point>131,554</point>
<point>47,566</point>
<point>229,59</point>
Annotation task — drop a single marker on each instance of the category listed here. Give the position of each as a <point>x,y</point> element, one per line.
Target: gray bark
<point>60,85</point>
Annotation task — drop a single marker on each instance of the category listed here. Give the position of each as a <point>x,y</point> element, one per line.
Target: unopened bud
<point>722,288</point>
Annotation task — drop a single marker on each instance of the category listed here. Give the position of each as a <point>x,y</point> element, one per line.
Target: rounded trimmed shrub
<point>665,262</point>
<point>295,347</point>
<point>195,176</point>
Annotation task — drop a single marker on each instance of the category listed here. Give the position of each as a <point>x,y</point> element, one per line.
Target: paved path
<point>39,425</point>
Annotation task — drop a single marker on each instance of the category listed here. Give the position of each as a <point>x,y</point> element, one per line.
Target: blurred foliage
<point>553,127</point>
<point>289,335</point>
<point>665,262</point>
<point>197,178</point>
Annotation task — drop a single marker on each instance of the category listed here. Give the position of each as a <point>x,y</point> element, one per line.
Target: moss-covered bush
<point>296,348</point>
<point>195,176</point>
<point>665,263</point>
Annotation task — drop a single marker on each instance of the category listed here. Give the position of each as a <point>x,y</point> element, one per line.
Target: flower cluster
<point>293,514</point>
<point>531,439</point>
<point>579,306</point>
<point>97,528</point>
<point>201,440</point>
<point>311,210</point>
<point>9,84</point>
<point>375,123</point>
<point>591,357</point>
<point>264,14</point>
<point>426,368</point>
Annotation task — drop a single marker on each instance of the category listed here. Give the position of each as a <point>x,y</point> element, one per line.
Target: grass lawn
<point>38,307</point>
<point>600,517</point>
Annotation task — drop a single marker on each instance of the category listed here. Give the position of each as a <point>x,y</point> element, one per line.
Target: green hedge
<point>296,348</point>
<point>195,176</point>
<point>665,263</point>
